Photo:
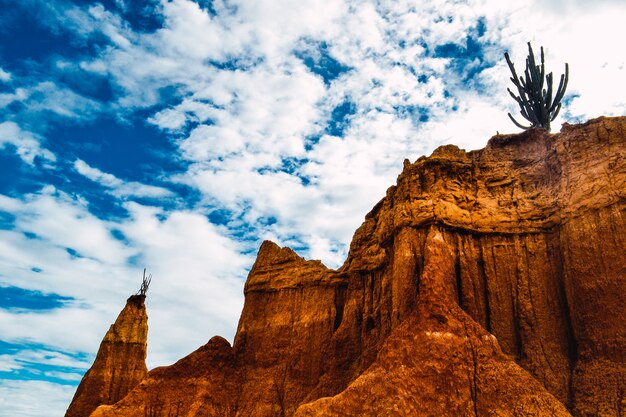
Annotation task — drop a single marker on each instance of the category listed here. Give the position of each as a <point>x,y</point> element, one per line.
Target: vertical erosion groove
<point>572,343</point>
<point>457,273</point>
<point>517,331</point>
<point>516,304</point>
<point>340,300</point>
<point>483,279</point>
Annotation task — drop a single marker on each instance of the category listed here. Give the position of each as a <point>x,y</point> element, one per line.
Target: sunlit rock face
<point>120,364</point>
<point>490,282</point>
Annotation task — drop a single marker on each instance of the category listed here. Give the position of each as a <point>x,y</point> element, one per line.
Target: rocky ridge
<point>490,282</point>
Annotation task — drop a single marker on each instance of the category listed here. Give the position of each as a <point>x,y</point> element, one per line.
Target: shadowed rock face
<point>120,364</point>
<point>439,362</point>
<point>490,282</point>
<point>203,383</point>
<point>536,222</point>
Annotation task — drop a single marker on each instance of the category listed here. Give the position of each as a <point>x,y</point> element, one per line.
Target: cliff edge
<point>490,282</point>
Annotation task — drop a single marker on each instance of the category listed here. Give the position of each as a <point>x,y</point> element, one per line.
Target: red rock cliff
<point>490,282</point>
<point>120,364</point>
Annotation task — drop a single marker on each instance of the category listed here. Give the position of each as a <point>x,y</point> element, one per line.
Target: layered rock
<point>120,364</point>
<point>490,282</point>
<point>439,362</point>
<point>287,323</point>
<point>537,222</point>
<point>203,383</point>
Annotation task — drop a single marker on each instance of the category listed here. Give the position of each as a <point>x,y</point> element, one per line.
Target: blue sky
<point>177,135</point>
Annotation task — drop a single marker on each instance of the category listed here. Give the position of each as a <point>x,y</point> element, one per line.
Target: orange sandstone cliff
<point>485,283</point>
<point>120,364</point>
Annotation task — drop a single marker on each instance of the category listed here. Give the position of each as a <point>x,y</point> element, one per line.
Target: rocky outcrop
<point>439,362</point>
<point>203,383</point>
<point>490,282</point>
<point>535,222</point>
<point>287,323</point>
<point>120,364</point>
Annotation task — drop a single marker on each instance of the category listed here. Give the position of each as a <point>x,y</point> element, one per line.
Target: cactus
<point>536,102</point>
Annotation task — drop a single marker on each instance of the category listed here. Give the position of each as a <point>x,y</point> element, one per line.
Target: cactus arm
<point>517,124</point>
<point>526,111</point>
<point>543,68</point>
<point>511,66</point>
<point>556,112</point>
<point>528,115</point>
<point>516,98</point>
<point>532,69</point>
<point>548,96</point>
<point>530,61</point>
<point>560,92</point>
<point>545,115</point>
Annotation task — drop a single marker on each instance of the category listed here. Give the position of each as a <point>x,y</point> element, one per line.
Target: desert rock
<point>490,282</point>
<point>120,364</point>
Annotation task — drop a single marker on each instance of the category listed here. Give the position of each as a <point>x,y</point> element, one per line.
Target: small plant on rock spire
<point>145,283</point>
<point>537,104</point>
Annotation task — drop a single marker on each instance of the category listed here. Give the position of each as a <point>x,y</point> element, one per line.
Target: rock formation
<point>490,282</point>
<point>201,384</point>
<point>439,362</point>
<point>120,364</point>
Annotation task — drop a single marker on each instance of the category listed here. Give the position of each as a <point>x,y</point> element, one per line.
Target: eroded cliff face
<point>490,282</point>
<point>203,383</point>
<point>537,225</point>
<point>439,362</point>
<point>120,364</point>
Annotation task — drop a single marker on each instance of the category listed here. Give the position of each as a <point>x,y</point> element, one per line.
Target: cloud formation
<point>27,144</point>
<point>116,186</point>
<point>276,120</point>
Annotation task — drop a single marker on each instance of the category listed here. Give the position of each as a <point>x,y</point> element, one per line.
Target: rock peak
<point>274,266</point>
<point>136,299</point>
<point>270,255</point>
<point>120,364</point>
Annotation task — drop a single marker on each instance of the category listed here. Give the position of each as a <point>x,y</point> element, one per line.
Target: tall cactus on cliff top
<point>536,102</point>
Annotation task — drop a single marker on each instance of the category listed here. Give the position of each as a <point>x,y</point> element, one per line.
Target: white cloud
<point>9,363</point>
<point>46,96</point>
<point>581,6</point>
<point>198,275</point>
<point>4,75</point>
<point>27,358</point>
<point>94,174</point>
<point>56,217</point>
<point>119,188</point>
<point>198,279</point>
<point>170,119</point>
<point>8,98</point>
<point>64,376</point>
<point>469,127</point>
<point>34,398</point>
<point>58,328</point>
<point>252,116</point>
<point>27,144</point>
<point>50,358</point>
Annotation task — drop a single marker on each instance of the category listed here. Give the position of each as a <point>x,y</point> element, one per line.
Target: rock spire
<point>120,364</point>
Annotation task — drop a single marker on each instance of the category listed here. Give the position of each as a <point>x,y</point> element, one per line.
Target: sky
<point>178,135</point>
